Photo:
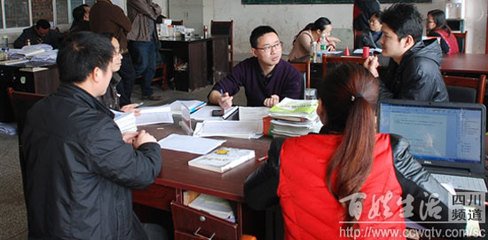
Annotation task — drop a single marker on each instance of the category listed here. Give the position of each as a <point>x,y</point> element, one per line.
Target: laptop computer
<point>448,139</point>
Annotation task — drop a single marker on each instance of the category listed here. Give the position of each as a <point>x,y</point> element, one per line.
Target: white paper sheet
<point>189,144</point>
<point>153,115</point>
<point>253,113</point>
<point>205,113</point>
<point>236,129</point>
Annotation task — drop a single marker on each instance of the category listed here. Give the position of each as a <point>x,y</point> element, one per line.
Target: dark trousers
<point>128,75</point>
<point>144,59</point>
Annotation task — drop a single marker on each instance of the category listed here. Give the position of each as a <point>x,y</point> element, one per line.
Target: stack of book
<point>125,121</point>
<point>292,117</point>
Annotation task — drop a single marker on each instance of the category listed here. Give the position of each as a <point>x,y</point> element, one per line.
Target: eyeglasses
<point>268,48</point>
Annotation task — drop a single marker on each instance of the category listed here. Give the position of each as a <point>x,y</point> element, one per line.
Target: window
<point>18,15</point>
<point>15,13</point>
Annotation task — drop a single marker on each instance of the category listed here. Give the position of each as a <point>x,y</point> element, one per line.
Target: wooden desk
<point>43,82</point>
<point>176,177</point>
<point>194,62</point>
<point>467,63</point>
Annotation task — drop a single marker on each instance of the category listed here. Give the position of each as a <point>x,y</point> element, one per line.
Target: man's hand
<point>371,63</point>
<point>143,137</point>
<point>131,108</point>
<point>271,101</point>
<point>225,101</point>
<point>129,137</point>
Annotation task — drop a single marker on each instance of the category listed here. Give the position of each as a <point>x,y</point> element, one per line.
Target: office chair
<point>461,39</point>
<point>465,89</point>
<point>21,103</point>
<point>225,28</point>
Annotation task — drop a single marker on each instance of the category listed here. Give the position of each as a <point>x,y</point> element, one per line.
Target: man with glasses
<point>266,77</point>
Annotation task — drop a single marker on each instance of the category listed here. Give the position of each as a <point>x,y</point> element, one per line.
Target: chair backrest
<point>466,89</point>
<point>21,102</point>
<point>225,28</point>
<point>326,60</point>
<point>303,67</point>
<point>177,22</point>
<point>461,39</point>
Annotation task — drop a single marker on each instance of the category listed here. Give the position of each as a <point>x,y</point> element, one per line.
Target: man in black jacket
<point>79,167</point>
<point>413,72</point>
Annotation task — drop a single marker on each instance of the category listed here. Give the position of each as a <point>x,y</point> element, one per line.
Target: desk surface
<point>176,173</point>
<point>465,63</point>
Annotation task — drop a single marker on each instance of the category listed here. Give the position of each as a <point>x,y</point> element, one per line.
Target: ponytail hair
<point>349,96</point>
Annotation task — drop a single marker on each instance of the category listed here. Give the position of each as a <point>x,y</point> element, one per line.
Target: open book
<point>222,159</point>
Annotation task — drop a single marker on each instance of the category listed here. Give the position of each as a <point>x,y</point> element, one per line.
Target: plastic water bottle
<point>205,31</point>
<point>323,43</point>
<point>313,52</point>
<point>5,43</point>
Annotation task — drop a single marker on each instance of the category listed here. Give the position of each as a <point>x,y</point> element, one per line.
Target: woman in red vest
<point>437,27</point>
<point>347,181</point>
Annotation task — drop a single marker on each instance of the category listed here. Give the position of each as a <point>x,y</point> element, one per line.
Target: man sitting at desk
<point>80,168</point>
<point>40,33</point>
<point>265,76</point>
<point>413,72</point>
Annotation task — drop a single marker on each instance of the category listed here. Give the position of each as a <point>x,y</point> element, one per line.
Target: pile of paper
<point>292,117</point>
<point>125,121</point>
<point>215,206</point>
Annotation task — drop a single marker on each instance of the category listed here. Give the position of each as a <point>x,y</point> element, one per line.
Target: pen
<point>139,104</point>
<point>262,158</point>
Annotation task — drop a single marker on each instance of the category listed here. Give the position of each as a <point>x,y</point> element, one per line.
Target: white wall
<point>289,19</point>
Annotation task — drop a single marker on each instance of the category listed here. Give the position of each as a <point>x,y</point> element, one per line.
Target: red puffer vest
<point>310,211</point>
<point>450,40</point>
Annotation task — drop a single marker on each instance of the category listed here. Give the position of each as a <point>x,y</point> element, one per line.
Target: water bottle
<point>5,43</point>
<point>323,43</point>
<point>313,52</point>
<point>205,31</point>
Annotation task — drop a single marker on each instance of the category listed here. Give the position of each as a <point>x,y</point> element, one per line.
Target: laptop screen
<point>448,132</point>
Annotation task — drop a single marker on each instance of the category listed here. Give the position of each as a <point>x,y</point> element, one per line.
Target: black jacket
<point>79,171</point>
<point>261,186</point>
<point>417,77</point>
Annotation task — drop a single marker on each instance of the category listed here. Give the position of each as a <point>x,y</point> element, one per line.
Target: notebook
<point>446,138</point>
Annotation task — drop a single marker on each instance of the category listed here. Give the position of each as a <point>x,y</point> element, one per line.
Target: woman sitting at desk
<point>322,180</point>
<point>437,27</point>
<point>371,37</point>
<point>312,33</point>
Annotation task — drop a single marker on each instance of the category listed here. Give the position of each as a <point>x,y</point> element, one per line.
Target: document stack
<point>215,206</point>
<point>292,118</point>
<point>125,121</point>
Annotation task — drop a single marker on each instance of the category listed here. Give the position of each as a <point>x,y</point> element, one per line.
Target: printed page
<point>189,144</point>
<point>153,115</point>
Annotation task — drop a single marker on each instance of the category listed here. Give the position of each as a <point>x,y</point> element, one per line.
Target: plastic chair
<point>466,89</point>
<point>461,39</point>
<point>225,28</point>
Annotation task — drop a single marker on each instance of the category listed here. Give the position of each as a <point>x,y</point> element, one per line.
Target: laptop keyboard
<point>463,183</point>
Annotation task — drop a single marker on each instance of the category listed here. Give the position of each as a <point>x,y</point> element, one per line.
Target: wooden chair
<point>225,28</point>
<point>461,39</point>
<point>21,102</point>
<point>466,89</point>
<point>326,60</point>
<point>177,22</point>
<point>303,67</point>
